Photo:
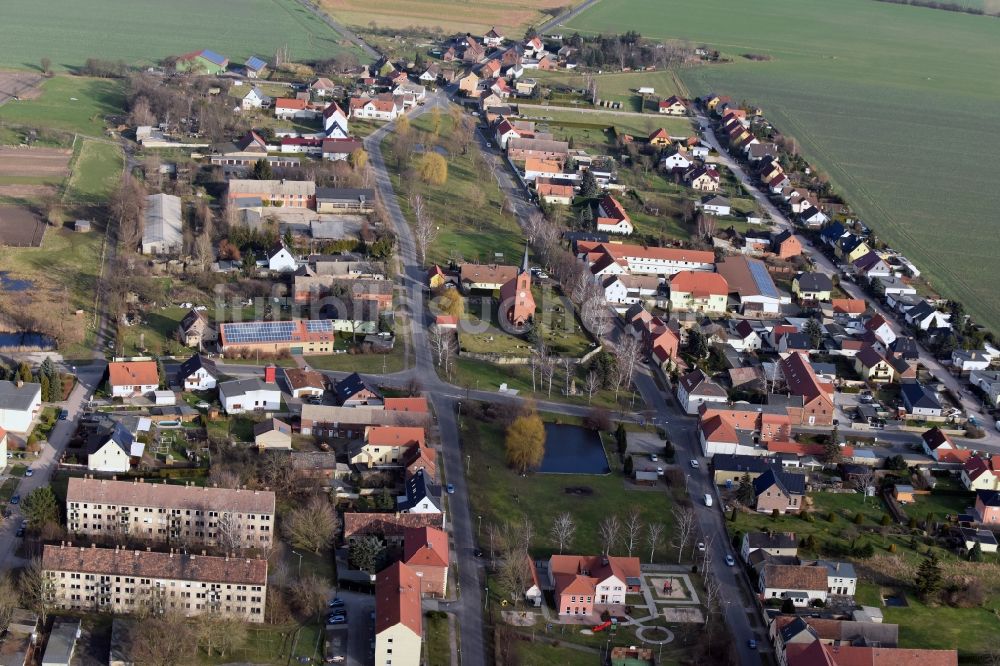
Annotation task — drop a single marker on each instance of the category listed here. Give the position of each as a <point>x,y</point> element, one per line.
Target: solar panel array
<point>258,331</point>
<point>252,332</point>
<point>765,285</point>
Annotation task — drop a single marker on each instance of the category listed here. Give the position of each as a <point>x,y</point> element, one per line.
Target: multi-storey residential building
<point>127,581</point>
<point>287,193</point>
<point>189,515</point>
<point>618,258</point>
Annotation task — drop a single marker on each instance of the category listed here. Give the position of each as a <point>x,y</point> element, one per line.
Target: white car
<point>701,546</point>
<point>729,560</point>
<point>694,463</point>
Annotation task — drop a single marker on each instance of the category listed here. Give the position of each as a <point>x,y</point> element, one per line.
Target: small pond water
<point>570,449</point>
<point>7,283</point>
<point>13,340</point>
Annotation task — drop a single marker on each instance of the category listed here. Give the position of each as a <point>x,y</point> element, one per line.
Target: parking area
<point>353,640</point>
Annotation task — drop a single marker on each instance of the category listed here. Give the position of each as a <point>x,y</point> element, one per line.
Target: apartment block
<point>114,580</point>
<point>184,515</point>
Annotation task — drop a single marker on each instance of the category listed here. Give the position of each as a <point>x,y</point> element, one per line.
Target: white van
<point>708,499</point>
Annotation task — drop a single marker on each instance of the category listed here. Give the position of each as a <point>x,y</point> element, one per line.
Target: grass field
<point>96,173</point>
<point>637,125</point>
<point>68,103</point>
<point>499,493</point>
<point>140,32</point>
<point>476,16</point>
<point>473,232</point>
<point>896,117</point>
<point>616,86</point>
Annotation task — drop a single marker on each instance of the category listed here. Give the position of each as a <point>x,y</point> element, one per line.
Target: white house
<point>335,121</point>
<point>624,290</point>
<point>19,404</point>
<point>197,374</point>
<point>675,161</point>
<point>716,205</point>
<point>249,395</point>
<point>988,382</point>
<point>803,584</point>
<point>132,379</point>
<point>255,99</point>
<point>383,107</point>
<point>695,389</point>
<point>968,361</point>
<point>417,498</point>
<point>281,260</point>
<point>111,451</point>
<point>612,218</point>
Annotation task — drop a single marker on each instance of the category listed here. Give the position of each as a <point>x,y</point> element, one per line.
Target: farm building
<point>161,233</point>
<point>202,62</point>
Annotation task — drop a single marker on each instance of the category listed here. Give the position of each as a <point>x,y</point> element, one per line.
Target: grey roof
<point>346,226</point>
<point>917,395</point>
<point>771,540</point>
<point>62,640</point>
<point>18,398</point>
<point>163,220</point>
<point>814,282</point>
<point>728,462</point>
<point>244,386</point>
<point>344,194</point>
<point>790,484</point>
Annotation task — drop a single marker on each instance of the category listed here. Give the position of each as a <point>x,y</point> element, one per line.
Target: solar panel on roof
<point>765,285</point>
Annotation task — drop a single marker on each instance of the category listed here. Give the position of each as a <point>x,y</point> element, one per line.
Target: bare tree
<point>684,526</point>
<point>654,533</point>
<point>443,344</point>
<point>568,370</point>
<point>8,600</point>
<point>163,641</point>
<point>36,589</point>
<point>713,592</point>
<point>127,206</point>
<point>230,534</point>
<point>591,384</point>
<point>311,526</point>
<point>515,572</point>
<point>633,530</point>
<point>424,229</point>
<point>610,531</point>
<point>563,529</point>
<point>308,595</point>
<point>863,481</point>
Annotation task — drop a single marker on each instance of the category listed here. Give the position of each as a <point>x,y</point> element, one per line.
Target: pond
<point>16,340</point>
<point>570,449</point>
<point>7,283</point>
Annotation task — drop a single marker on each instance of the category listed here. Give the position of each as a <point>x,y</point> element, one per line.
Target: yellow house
<point>659,138</point>
<point>851,248</point>
<point>712,102</point>
<point>469,84</point>
<point>386,446</point>
<point>436,277</point>
<point>698,291</point>
<point>812,287</point>
<point>872,366</point>
<point>398,616</point>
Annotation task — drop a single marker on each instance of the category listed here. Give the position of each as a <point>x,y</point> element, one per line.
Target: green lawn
<point>498,493</point>
<point>970,630</point>
<point>141,33</point>
<point>69,103</point>
<point>474,232</point>
<point>544,654</point>
<point>155,335</point>
<point>617,86</point>
<point>893,116</point>
<point>638,126</point>
<point>393,361</point>
<point>936,506</point>
<point>437,647</point>
<point>96,172</point>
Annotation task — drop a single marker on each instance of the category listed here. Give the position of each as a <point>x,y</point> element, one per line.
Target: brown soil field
<point>19,84</point>
<point>475,16</point>
<point>34,161</point>
<point>27,191</point>
<point>20,227</point>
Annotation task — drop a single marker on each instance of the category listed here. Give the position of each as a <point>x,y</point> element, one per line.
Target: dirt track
<point>34,161</point>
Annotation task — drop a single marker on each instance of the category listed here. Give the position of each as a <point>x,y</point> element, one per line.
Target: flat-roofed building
<point>168,513</point>
<point>115,580</point>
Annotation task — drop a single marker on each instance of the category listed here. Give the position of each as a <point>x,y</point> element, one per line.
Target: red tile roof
<point>801,379</point>
<point>849,305</point>
<point>290,103</point>
<point>394,436</point>
<point>133,373</point>
<point>397,599</point>
<point>172,566</point>
<point>425,546</point>
<point>416,404</point>
<point>699,284</point>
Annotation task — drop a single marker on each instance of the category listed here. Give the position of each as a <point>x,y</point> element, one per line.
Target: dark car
<point>15,499</point>
<point>337,603</point>
<point>20,532</point>
<point>337,619</point>
<point>63,415</point>
<point>478,552</point>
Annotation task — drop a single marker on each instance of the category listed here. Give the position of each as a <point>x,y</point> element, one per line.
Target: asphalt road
<point>47,460</point>
<point>824,264</point>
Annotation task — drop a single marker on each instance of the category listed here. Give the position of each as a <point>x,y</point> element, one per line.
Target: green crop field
<point>895,103</point>
<point>68,103</point>
<point>635,124</point>
<point>96,173</point>
<point>141,32</point>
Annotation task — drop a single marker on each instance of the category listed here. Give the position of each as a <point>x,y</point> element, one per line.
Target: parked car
<point>63,415</point>
<point>29,472</point>
<point>20,532</point>
<point>694,463</point>
<point>701,546</point>
<point>729,560</point>
<point>752,643</point>
<point>15,499</point>
<point>652,456</point>
<point>337,603</point>
<point>450,488</point>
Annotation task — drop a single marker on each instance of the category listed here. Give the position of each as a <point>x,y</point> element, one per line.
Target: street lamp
<point>468,463</point>
<point>300,562</point>
<point>479,533</point>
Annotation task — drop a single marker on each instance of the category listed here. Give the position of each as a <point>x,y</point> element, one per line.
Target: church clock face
<point>521,294</point>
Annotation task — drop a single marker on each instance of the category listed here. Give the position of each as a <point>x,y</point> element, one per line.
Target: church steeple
<point>524,262</point>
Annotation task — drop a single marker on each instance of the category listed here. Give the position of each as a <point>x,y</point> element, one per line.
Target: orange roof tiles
<point>397,599</point>
<point>699,283</point>
<point>133,373</point>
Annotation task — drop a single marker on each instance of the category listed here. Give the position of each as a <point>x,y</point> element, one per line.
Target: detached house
<point>197,374</point>
<point>812,286</point>
<point>249,395</point>
<point>20,403</point>
<point>778,544</point>
<point>195,330</point>
<point>612,218</point>
<point>382,107</point>
<point>938,445</point>
<point>695,389</point>
<point>981,473</point>
<point>801,584</point>
<point>817,397</point>
<point>672,106</point>
<point>779,491</point>
<point>699,291</point>
<point>919,400</point>
<point>988,507</point>
<point>132,379</point>
<point>353,391</point>
<point>703,179</point>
